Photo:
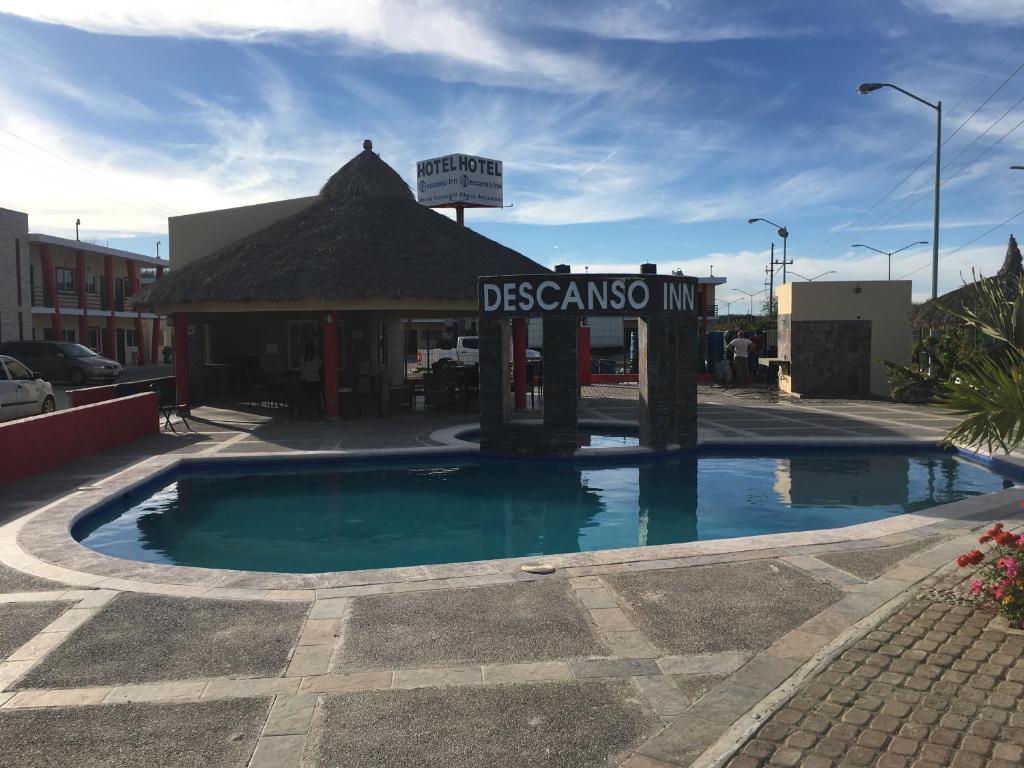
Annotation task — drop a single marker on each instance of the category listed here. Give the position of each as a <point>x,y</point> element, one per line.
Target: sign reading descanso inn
<point>455,180</point>
<point>629,295</point>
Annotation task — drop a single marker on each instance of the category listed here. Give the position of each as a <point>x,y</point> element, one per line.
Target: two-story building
<point>56,288</point>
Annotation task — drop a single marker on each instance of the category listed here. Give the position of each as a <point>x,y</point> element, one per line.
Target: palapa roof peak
<point>1012,263</point>
<point>934,312</point>
<point>365,176</point>
<point>366,237</point>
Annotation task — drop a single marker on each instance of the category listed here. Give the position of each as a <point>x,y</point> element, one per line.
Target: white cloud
<point>449,32</point>
<point>982,11</point>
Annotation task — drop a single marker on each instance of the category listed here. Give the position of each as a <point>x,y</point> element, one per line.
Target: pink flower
<point>1011,567</point>
<point>976,587</point>
<point>997,593</point>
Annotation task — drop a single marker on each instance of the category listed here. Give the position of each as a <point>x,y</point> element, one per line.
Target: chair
<point>170,407</point>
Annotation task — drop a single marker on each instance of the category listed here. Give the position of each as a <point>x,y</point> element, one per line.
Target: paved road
<point>132,373</point>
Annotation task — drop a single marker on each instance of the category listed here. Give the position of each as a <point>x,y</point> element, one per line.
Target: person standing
<point>309,377</point>
<point>740,348</point>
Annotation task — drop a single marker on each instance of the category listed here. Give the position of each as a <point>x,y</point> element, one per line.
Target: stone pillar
<point>83,302</point>
<point>50,281</point>
<point>181,366</point>
<point>494,383</point>
<point>519,361</point>
<point>686,334</point>
<point>331,404</point>
<point>658,363</point>
<point>561,387</point>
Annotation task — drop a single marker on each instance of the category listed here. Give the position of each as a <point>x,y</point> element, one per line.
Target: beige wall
<point>886,303</point>
<point>15,318</point>
<point>196,235</point>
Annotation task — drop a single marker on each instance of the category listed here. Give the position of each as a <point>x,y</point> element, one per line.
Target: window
<point>18,371</point>
<point>129,337</point>
<point>65,280</point>
<point>69,335</point>
<point>3,371</point>
<point>92,283</point>
<point>94,337</point>
<point>300,333</point>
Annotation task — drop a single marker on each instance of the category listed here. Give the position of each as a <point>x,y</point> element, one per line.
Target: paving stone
<point>290,715</point>
<point>219,734</point>
<point>19,622</point>
<point>521,622</point>
<point>559,725</point>
<point>767,599</point>
<point>278,752</point>
<point>146,638</point>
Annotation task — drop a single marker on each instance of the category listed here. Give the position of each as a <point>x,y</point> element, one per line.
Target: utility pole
<point>771,283</point>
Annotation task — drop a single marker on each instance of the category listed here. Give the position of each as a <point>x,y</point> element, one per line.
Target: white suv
<point>22,393</point>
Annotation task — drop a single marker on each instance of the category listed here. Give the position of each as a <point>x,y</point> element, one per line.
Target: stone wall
<point>15,320</point>
<point>830,358</point>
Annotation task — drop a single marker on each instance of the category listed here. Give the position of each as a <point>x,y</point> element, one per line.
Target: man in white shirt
<point>740,348</point>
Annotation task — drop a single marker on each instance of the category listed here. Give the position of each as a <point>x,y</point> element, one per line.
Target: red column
<point>583,354</point>
<point>181,358</point>
<point>50,276</point>
<point>519,361</point>
<point>108,277</point>
<point>155,332</point>
<point>331,404</point>
<point>83,303</point>
<point>136,286</point>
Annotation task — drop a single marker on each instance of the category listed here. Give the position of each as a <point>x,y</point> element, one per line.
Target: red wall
<point>91,395</point>
<point>614,378</point>
<point>41,443</point>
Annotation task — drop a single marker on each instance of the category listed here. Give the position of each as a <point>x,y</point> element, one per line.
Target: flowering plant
<point>1000,572</point>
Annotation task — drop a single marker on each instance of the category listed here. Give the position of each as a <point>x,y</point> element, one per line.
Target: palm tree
<point>988,391</point>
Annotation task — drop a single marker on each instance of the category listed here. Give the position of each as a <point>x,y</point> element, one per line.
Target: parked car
<point>22,392</point>
<point>63,361</point>
<point>465,352</point>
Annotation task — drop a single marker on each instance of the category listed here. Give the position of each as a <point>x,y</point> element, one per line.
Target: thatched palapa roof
<point>933,314</point>
<point>365,238</point>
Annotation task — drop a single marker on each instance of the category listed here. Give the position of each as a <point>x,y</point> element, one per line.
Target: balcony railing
<point>93,301</point>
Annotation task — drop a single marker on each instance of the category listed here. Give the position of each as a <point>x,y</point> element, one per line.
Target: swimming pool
<point>307,516</point>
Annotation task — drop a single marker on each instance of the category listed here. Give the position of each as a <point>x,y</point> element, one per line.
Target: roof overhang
<point>78,245</point>
<point>711,280</point>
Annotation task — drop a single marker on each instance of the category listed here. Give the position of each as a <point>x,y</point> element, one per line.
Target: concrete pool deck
<point>699,658</point>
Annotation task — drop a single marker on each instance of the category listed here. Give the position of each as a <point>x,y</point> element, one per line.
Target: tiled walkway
<point>817,655</point>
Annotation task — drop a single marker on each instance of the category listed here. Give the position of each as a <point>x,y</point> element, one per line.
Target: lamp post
<point>728,305</point>
<point>751,295</point>
<point>784,234</point>
<point>890,254</point>
<point>158,248</point>
<point>812,279</point>
<point>77,224</point>
<point>868,88</point>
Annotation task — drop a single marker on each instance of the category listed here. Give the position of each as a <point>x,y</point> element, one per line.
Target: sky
<point>630,132</point>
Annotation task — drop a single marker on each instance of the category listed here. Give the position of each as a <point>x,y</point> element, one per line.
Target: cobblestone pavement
<point>934,686</point>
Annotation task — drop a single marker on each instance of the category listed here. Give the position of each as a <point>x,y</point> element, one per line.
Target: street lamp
<point>890,254</point>
<point>728,304</point>
<point>751,295</point>
<point>812,279</point>
<point>868,88</point>
<point>784,234</point>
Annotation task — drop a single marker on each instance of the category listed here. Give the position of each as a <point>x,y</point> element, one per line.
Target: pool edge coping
<point>40,542</point>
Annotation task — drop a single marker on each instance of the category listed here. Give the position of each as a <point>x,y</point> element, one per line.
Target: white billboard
<point>454,180</point>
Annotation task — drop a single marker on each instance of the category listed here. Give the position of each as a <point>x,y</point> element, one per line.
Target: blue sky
<point>630,132</point>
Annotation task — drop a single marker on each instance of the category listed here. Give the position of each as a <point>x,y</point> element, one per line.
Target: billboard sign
<point>459,180</point>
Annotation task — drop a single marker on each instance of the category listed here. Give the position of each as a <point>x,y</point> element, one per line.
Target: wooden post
<point>136,286</point>
<point>331,404</point>
<point>108,278</point>
<point>583,355</point>
<point>50,276</point>
<point>460,215</point>
<point>519,361</point>
<point>181,358</point>
<point>83,302</point>
<point>154,342</point>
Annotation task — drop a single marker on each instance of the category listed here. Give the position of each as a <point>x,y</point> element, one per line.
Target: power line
<point>932,154</point>
<point>155,206</point>
<point>965,245</point>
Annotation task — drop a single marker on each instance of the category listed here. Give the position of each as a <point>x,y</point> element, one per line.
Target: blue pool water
<point>302,517</point>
